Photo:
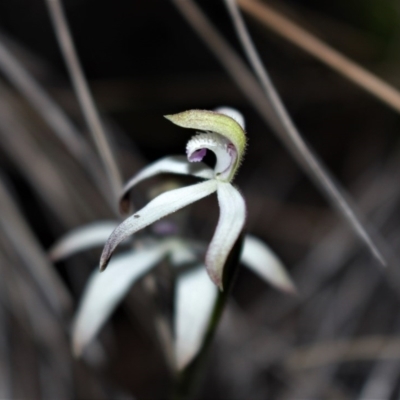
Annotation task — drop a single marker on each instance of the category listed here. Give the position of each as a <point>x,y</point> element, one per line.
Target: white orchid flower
<point>222,134</point>
<point>195,294</point>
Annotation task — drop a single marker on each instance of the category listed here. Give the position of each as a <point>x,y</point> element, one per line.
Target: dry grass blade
<point>300,37</point>
<point>292,137</point>
<point>22,238</point>
<point>331,352</point>
<point>44,349</point>
<point>22,379</point>
<point>48,333</point>
<point>29,88</point>
<point>37,168</point>
<point>274,113</point>
<point>84,96</point>
<point>54,116</point>
<point>384,376</point>
<point>335,249</point>
<point>5,353</point>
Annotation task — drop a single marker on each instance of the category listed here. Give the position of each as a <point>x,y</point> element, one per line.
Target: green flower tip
<point>211,121</point>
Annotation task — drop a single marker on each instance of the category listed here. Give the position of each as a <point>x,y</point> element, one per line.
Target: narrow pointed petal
<point>230,224</point>
<point>194,302</point>
<point>106,289</point>
<point>80,239</point>
<point>163,205</point>
<point>257,256</point>
<point>173,165</point>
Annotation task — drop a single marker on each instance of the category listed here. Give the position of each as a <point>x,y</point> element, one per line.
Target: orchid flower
<point>222,134</point>
<point>195,294</point>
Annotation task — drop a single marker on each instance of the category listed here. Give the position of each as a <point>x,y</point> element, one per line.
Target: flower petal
<point>106,289</point>
<point>181,253</point>
<point>211,121</point>
<point>261,259</point>
<point>230,224</point>
<point>163,205</point>
<point>173,165</point>
<point>194,302</point>
<point>234,114</point>
<point>80,239</point>
<point>223,149</point>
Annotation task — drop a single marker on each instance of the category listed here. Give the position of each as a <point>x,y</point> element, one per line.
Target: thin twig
<point>83,93</point>
<point>297,35</point>
<point>273,112</point>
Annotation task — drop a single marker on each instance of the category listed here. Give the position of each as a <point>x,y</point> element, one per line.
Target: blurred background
<point>338,338</point>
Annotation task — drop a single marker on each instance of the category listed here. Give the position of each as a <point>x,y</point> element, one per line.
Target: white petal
<point>194,301</point>
<point>106,289</point>
<point>225,152</point>
<point>233,113</point>
<point>173,165</point>
<point>163,205</point>
<point>80,239</point>
<point>230,224</point>
<point>181,253</point>
<point>261,259</point>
